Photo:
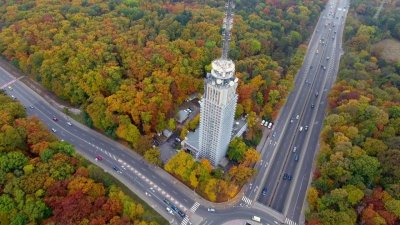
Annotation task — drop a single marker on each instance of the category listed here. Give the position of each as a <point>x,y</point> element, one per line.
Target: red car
<point>99,158</point>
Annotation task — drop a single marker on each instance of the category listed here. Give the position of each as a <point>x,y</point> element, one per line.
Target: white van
<point>256,218</point>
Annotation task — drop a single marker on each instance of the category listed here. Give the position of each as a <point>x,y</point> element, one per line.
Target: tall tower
<point>217,109</point>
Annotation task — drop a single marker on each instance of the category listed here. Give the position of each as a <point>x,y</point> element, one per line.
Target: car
<point>289,177</point>
<point>301,128</point>
<point>170,211</point>
<point>13,97</point>
<point>98,158</point>
<point>264,191</point>
<point>306,128</point>
<point>116,169</point>
<point>55,118</point>
<point>291,120</point>
<point>256,218</point>
<point>285,176</point>
<point>177,140</point>
<point>294,149</point>
<point>54,130</point>
<point>181,214</point>
<point>297,117</point>
<point>312,106</point>
<point>317,52</point>
<point>324,67</point>
<point>327,58</point>
<point>211,209</point>
<point>10,88</point>
<point>316,94</point>
<point>296,157</point>
<point>31,106</point>
<point>266,123</point>
<point>69,123</point>
<point>262,122</point>
<point>270,125</point>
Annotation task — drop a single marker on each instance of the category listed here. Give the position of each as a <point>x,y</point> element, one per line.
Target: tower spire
<point>227,26</point>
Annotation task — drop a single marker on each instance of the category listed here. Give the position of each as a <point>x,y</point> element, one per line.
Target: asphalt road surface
<point>291,150</point>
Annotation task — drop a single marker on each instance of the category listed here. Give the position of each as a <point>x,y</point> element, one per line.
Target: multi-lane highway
<point>155,186</point>
<point>291,148</point>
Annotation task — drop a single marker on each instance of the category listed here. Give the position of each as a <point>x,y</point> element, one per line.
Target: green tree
<point>236,150</point>
<point>153,156</point>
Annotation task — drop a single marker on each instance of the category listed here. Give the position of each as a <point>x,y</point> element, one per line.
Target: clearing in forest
<point>388,49</point>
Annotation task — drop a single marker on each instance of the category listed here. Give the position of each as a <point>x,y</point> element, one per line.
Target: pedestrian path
<point>246,200</point>
<point>185,220</point>
<point>290,222</point>
<point>195,206</point>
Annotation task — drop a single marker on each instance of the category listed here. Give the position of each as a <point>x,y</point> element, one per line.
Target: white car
<point>297,117</point>
<point>269,125</point>
<point>262,122</point>
<point>69,123</point>
<point>301,128</point>
<point>211,209</point>
<point>266,123</point>
<point>54,130</point>
<point>294,149</point>
<point>170,211</point>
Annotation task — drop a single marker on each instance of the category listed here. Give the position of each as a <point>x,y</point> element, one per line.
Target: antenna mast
<point>227,26</point>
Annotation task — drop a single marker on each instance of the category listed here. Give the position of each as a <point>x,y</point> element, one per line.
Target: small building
<point>167,133</point>
<point>181,116</point>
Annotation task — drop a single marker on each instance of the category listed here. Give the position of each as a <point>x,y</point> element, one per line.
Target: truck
<point>256,218</point>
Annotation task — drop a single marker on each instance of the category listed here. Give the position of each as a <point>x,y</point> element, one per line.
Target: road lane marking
<point>185,220</point>
<point>246,200</point>
<point>195,207</point>
<point>290,222</point>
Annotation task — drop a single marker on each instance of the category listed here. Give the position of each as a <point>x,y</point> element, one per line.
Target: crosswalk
<point>246,200</point>
<point>195,206</point>
<point>185,220</point>
<point>290,222</point>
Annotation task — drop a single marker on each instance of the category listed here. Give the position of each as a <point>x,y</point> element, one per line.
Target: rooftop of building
<point>223,68</point>
<point>181,116</point>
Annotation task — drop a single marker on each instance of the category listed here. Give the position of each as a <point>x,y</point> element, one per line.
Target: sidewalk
<point>35,86</point>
